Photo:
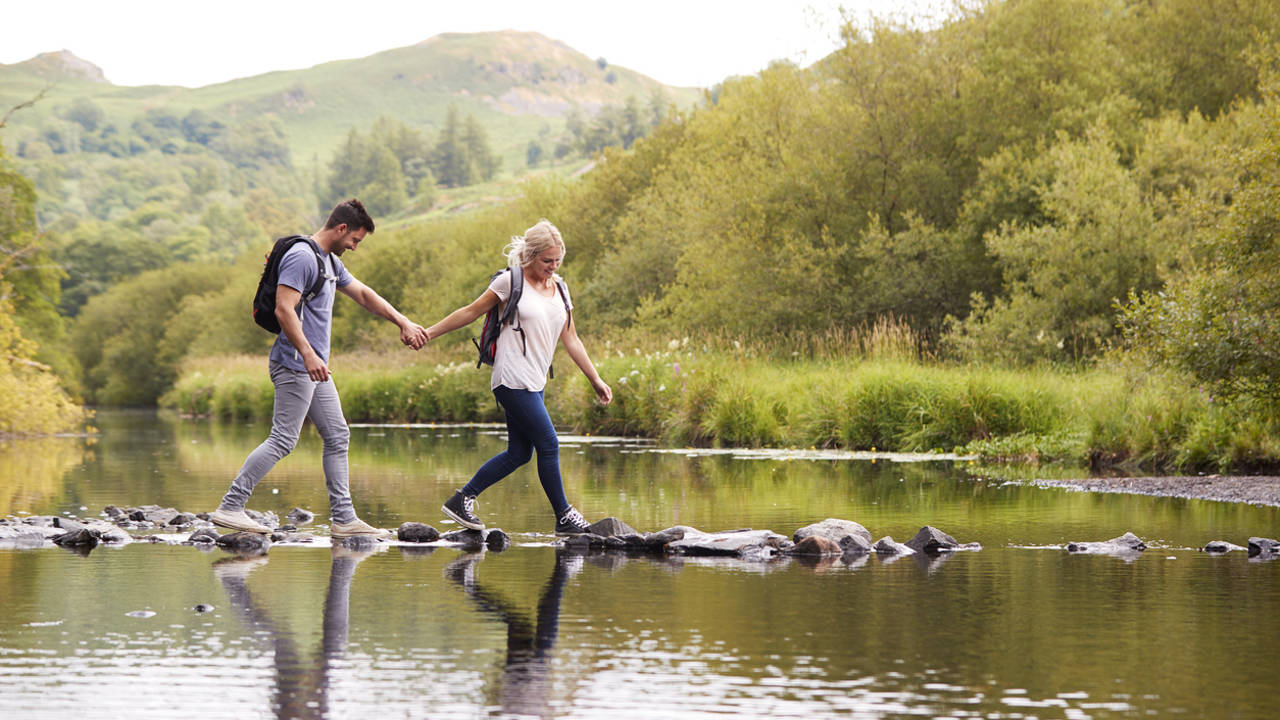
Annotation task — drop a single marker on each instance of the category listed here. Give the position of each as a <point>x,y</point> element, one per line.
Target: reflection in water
<point>525,684</point>
<point>301,684</point>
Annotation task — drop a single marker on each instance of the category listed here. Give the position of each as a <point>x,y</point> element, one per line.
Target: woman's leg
<point>519,450</point>
<point>527,412</point>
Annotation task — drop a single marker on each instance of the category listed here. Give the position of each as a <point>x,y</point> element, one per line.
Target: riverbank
<point>1104,417</point>
<point>1252,489</point>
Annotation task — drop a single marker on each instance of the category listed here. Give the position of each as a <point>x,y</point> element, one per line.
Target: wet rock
<point>359,543</point>
<point>816,546</point>
<point>417,532</point>
<point>41,521</point>
<point>611,527</point>
<point>1221,547</point>
<point>854,545</point>
<point>203,608</point>
<point>931,540</point>
<point>244,543</point>
<point>888,546</point>
<point>84,537</point>
<point>269,519</point>
<point>282,536</point>
<point>496,540</point>
<point>469,539</point>
<point>585,541</point>
<point>836,531</point>
<point>754,544</point>
<point>182,518</point>
<point>1263,546</point>
<point>153,514</point>
<point>659,540</point>
<point>203,536</point>
<point>1126,544</point>
<point>108,533</point>
<point>68,524</point>
<point>114,513</point>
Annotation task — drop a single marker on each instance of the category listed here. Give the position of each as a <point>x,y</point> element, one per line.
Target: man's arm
<point>287,299</point>
<point>411,333</point>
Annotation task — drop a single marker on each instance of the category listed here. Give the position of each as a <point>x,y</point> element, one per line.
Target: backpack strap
<point>564,298</point>
<point>318,286</point>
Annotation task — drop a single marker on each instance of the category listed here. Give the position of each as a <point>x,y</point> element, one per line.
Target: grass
<point>875,399</point>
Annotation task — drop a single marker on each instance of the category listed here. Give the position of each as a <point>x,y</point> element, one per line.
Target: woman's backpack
<point>500,315</point>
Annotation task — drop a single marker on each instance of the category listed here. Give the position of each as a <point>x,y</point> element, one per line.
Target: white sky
<point>177,42</point>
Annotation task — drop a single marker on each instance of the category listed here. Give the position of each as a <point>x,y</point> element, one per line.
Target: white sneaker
<point>357,528</point>
<point>237,520</point>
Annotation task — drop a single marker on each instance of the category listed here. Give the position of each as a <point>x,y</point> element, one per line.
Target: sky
<point>677,42</point>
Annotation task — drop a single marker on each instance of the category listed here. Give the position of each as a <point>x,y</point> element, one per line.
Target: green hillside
<point>518,84</point>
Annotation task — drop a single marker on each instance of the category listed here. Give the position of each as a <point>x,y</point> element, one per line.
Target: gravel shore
<point>1257,490</point>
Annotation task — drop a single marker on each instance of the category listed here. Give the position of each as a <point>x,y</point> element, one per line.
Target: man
<point>300,371</point>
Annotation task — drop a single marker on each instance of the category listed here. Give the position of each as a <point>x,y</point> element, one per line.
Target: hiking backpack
<point>500,315</point>
<point>264,300</point>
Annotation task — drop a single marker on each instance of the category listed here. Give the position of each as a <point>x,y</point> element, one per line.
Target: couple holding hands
<point>521,359</point>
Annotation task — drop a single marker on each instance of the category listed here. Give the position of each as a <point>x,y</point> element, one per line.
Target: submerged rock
<point>1263,546</point>
<point>417,532</point>
<point>1126,544</point>
<point>203,536</point>
<point>816,546</point>
<point>888,546</point>
<point>931,541</point>
<point>244,543</point>
<point>83,537</point>
<point>1221,547</point>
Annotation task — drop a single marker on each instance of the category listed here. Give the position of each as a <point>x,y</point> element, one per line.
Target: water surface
<point>1019,629</point>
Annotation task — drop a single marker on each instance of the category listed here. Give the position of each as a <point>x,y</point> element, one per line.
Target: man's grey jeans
<point>298,398</point>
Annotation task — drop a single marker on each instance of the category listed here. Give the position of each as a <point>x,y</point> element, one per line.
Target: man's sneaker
<point>462,508</point>
<point>237,520</point>
<point>572,523</point>
<point>357,528</point>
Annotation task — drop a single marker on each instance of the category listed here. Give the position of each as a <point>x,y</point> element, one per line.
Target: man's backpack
<point>500,315</point>
<point>264,300</point>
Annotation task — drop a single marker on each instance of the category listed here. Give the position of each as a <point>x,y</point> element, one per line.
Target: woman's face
<point>546,263</point>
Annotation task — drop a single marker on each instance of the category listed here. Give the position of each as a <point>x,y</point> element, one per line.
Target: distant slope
<point>518,84</point>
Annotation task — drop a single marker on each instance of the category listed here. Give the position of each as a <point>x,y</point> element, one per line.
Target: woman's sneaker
<point>571,522</point>
<point>462,508</point>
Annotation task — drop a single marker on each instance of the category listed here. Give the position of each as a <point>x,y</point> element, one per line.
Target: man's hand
<point>413,335</point>
<point>316,367</point>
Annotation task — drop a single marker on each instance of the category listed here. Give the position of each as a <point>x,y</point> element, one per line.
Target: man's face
<point>349,239</point>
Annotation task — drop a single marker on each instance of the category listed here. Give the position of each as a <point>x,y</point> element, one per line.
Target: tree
<point>87,113</point>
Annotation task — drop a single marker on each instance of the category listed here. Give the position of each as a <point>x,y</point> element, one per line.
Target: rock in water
<point>1220,547</point>
<point>758,544</point>
<point>417,532</point>
<point>816,546</point>
<point>1126,544</point>
<point>931,540</point>
<point>1263,546</point>
<point>835,530</point>
<point>496,540</point>
<point>203,535</point>
<point>611,527</point>
<point>83,538</point>
<point>469,539</point>
<point>298,516</point>
<point>244,543</point>
<point>888,546</point>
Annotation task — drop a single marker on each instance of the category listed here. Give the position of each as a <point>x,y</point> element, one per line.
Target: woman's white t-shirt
<point>524,366</point>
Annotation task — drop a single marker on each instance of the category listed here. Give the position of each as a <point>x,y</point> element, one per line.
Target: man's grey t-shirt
<point>298,271</point>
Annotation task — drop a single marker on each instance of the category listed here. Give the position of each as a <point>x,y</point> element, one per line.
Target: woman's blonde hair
<point>524,248</point>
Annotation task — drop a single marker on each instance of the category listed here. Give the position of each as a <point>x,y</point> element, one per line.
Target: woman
<point>520,365</point>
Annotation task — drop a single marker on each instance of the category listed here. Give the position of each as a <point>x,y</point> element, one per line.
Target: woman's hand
<point>603,392</point>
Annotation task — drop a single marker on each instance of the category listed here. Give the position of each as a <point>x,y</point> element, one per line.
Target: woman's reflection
<point>525,685</point>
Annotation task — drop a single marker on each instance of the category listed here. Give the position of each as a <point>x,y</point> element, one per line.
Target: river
<point>1019,629</point>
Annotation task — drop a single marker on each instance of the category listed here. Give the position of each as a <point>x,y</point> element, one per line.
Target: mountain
<point>518,85</point>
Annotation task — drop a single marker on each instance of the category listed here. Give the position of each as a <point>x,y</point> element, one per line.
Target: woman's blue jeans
<point>529,429</point>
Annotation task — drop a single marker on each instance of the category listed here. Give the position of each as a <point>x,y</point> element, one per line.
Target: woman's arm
<point>578,353</point>
<point>463,316</point>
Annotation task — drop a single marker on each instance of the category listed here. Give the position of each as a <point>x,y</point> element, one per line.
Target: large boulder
<point>753,544</point>
<point>1126,544</point>
<point>836,531</point>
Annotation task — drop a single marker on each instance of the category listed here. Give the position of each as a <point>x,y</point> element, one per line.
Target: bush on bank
<point>1103,417</point>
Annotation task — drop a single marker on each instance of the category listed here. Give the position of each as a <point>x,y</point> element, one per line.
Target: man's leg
<point>326,415</point>
<point>294,391</point>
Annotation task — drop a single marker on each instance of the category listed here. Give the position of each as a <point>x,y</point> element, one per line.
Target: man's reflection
<point>301,684</point>
<point>525,687</point>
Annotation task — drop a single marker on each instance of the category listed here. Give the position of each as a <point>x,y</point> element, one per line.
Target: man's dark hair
<point>352,213</point>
